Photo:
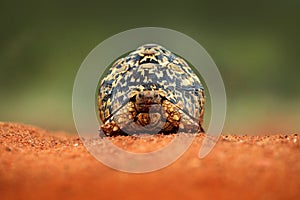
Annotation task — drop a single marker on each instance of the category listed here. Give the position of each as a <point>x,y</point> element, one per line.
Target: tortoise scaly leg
<point>111,128</point>
<point>176,119</point>
<point>120,121</point>
<point>172,116</point>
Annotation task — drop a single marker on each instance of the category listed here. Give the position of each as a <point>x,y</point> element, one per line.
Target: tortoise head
<point>144,100</point>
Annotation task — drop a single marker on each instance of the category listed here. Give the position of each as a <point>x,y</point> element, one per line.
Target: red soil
<point>36,164</point>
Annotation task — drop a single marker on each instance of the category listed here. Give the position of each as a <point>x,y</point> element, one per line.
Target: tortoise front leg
<point>121,120</point>
<point>179,121</point>
<point>110,128</point>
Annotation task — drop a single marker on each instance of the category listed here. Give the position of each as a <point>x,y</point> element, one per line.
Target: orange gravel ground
<point>36,164</point>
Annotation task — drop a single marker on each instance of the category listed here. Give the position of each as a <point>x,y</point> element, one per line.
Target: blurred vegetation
<point>255,44</point>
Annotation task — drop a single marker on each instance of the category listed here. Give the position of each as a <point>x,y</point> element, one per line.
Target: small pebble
<point>8,149</point>
<point>295,140</point>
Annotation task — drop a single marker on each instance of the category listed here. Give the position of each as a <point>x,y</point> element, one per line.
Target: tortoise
<point>151,90</point>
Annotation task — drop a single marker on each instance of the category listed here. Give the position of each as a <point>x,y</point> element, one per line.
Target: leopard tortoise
<point>151,90</point>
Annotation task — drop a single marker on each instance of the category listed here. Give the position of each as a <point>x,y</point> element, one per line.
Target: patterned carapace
<point>150,91</point>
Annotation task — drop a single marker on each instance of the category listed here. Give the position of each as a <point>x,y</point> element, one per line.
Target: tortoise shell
<point>151,90</point>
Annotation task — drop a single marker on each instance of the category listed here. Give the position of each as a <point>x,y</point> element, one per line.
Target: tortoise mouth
<point>148,104</point>
<point>150,107</point>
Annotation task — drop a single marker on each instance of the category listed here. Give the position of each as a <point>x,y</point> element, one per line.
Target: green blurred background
<point>255,44</point>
